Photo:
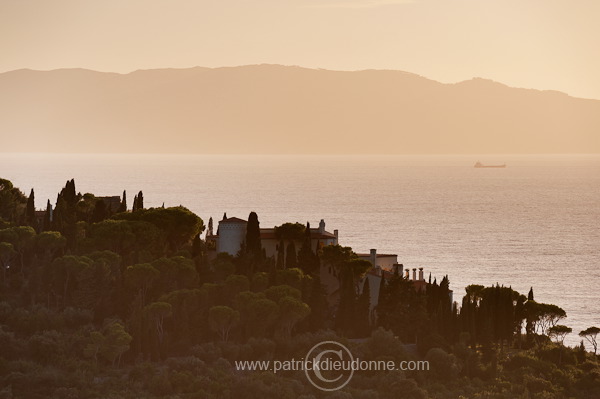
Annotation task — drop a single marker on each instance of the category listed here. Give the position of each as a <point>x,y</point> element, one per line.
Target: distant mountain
<point>279,109</point>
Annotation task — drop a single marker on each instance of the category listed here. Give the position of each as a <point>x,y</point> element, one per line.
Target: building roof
<point>233,220</point>
<point>378,255</point>
<point>269,234</point>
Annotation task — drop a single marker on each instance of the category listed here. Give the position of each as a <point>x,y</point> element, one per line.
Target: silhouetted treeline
<point>97,300</point>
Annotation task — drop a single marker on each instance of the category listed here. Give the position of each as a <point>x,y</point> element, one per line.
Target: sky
<point>542,44</point>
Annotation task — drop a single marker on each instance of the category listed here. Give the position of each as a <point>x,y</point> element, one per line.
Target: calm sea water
<point>535,223</point>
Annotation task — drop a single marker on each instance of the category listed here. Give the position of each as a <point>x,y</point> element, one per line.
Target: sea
<point>535,223</point>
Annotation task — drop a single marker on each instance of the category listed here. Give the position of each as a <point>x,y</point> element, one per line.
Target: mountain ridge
<point>271,108</point>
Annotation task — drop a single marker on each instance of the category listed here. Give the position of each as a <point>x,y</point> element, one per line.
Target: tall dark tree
<point>48,216</point>
<point>318,305</point>
<point>100,211</point>
<point>210,226</point>
<point>307,259</point>
<point>381,295</point>
<point>123,206</point>
<point>280,255</point>
<point>65,213</point>
<point>140,200</point>
<point>402,309</point>
<point>31,220</point>
<point>291,260</point>
<point>363,311</point>
<point>530,295</point>
<point>345,319</point>
<point>253,245</point>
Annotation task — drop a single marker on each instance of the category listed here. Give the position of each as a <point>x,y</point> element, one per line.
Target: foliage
<point>134,305</point>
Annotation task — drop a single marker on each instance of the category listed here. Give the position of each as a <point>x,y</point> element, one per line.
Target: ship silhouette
<point>480,165</point>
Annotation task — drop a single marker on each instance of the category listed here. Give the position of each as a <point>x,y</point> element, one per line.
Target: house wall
<point>231,237</point>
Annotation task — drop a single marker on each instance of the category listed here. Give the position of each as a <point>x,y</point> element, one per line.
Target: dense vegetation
<point>102,301</point>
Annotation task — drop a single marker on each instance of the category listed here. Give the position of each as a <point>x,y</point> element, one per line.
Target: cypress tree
<point>48,217</point>
<point>253,245</point>
<point>196,246</point>
<point>381,296</point>
<point>31,220</point>
<point>100,211</point>
<point>280,256</point>
<point>363,321</point>
<point>530,295</point>
<point>306,257</point>
<point>123,206</point>
<point>345,318</point>
<point>210,227</point>
<point>318,305</point>
<point>140,200</point>
<point>290,259</point>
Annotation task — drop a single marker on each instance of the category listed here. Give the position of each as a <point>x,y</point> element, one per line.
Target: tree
<point>343,260</point>
<point>363,308</point>
<point>291,311</point>
<point>176,272</point>
<point>210,226</point>
<point>30,213</point>
<point>591,334</point>
<point>290,260</point>
<point>49,243</point>
<point>109,344</point>
<point>141,277</point>
<point>307,259</point>
<point>12,202</point>
<point>223,266</point>
<point>100,212</point>
<point>559,333</point>
<point>7,253</point>
<point>345,318</point>
<point>277,292</point>
<point>156,313</point>
<point>289,231</point>
<point>140,201</point>
<point>95,345</point>
<point>48,216</point>
<point>123,206</point>
<point>65,271</point>
<point>22,239</point>
<point>253,245</point>
<point>178,225</point>
<point>280,255</point>
<point>318,305</point>
<point>258,314</point>
<point>222,319</point>
<point>546,316</point>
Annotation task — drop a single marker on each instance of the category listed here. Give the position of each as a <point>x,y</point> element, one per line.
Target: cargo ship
<point>480,165</point>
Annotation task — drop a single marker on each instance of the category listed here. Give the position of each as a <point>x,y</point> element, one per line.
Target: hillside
<point>277,109</point>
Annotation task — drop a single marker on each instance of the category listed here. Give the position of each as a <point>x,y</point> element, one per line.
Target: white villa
<point>231,234</point>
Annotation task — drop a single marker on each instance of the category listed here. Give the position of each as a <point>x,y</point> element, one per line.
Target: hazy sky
<point>544,44</point>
